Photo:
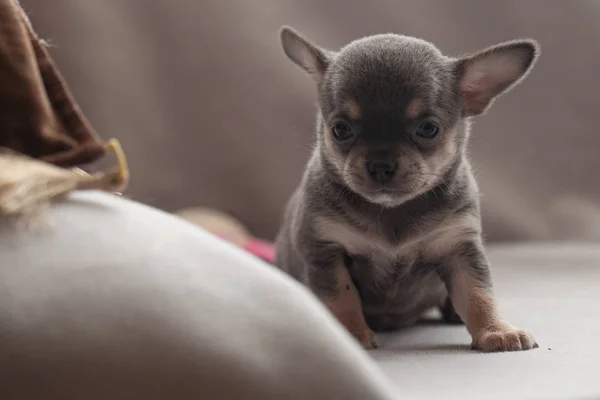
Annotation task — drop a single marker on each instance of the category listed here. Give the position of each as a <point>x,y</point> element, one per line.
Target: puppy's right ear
<point>487,74</point>
<point>305,54</point>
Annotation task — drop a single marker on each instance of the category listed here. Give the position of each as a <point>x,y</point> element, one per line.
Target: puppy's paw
<point>367,338</point>
<point>503,337</point>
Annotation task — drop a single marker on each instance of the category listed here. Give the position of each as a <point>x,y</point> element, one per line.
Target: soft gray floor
<point>554,290</point>
<point>128,311</point>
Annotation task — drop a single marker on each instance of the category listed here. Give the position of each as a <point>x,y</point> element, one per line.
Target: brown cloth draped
<point>38,115</point>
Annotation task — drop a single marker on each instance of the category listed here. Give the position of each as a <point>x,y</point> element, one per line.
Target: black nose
<point>381,171</point>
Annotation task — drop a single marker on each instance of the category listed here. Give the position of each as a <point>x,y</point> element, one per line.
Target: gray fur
<point>403,236</point>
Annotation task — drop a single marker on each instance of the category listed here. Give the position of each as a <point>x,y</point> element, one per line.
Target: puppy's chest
<point>378,257</point>
<point>381,265</point>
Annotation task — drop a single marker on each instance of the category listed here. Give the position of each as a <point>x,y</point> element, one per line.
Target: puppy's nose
<point>382,171</point>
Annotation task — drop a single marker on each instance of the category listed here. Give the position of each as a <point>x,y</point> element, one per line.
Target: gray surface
<point>117,300</point>
<point>552,289</point>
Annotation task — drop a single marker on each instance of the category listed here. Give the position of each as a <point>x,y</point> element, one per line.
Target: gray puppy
<point>386,222</point>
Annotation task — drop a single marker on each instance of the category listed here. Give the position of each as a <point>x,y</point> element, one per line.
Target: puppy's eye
<point>427,130</point>
<point>342,131</point>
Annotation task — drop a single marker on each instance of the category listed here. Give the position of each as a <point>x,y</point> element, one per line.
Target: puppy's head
<point>394,109</point>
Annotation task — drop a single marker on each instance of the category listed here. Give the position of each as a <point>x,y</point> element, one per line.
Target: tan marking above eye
<point>414,108</point>
<point>352,108</point>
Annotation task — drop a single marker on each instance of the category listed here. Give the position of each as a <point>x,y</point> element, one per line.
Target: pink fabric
<point>261,249</point>
<point>257,247</point>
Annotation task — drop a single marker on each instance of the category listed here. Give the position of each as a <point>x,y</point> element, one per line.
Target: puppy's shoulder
<point>460,225</point>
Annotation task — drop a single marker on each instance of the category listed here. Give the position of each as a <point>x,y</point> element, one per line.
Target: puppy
<point>386,221</point>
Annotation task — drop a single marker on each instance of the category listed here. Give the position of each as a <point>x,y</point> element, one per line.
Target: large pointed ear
<point>485,75</point>
<point>305,54</point>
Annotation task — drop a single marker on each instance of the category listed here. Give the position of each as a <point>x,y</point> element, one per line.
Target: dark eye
<point>342,131</point>
<point>427,130</point>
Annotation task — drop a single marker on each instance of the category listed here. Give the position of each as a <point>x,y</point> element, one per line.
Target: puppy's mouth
<point>387,192</point>
<point>387,197</point>
<point>390,195</point>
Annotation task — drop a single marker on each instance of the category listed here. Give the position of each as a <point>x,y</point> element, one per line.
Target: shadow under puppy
<point>386,221</point>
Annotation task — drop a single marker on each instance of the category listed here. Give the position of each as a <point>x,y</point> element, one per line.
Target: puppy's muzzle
<point>381,170</point>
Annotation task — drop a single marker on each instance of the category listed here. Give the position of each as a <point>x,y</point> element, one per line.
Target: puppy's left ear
<point>485,75</point>
<point>307,55</point>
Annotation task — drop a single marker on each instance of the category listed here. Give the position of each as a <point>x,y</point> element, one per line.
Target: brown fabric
<point>38,115</point>
<point>213,114</point>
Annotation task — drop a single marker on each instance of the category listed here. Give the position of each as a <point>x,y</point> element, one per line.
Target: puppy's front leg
<point>333,285</point>
<point>470,286</point>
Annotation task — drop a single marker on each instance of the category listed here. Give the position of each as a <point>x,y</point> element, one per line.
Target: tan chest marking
<point>436,241</point>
